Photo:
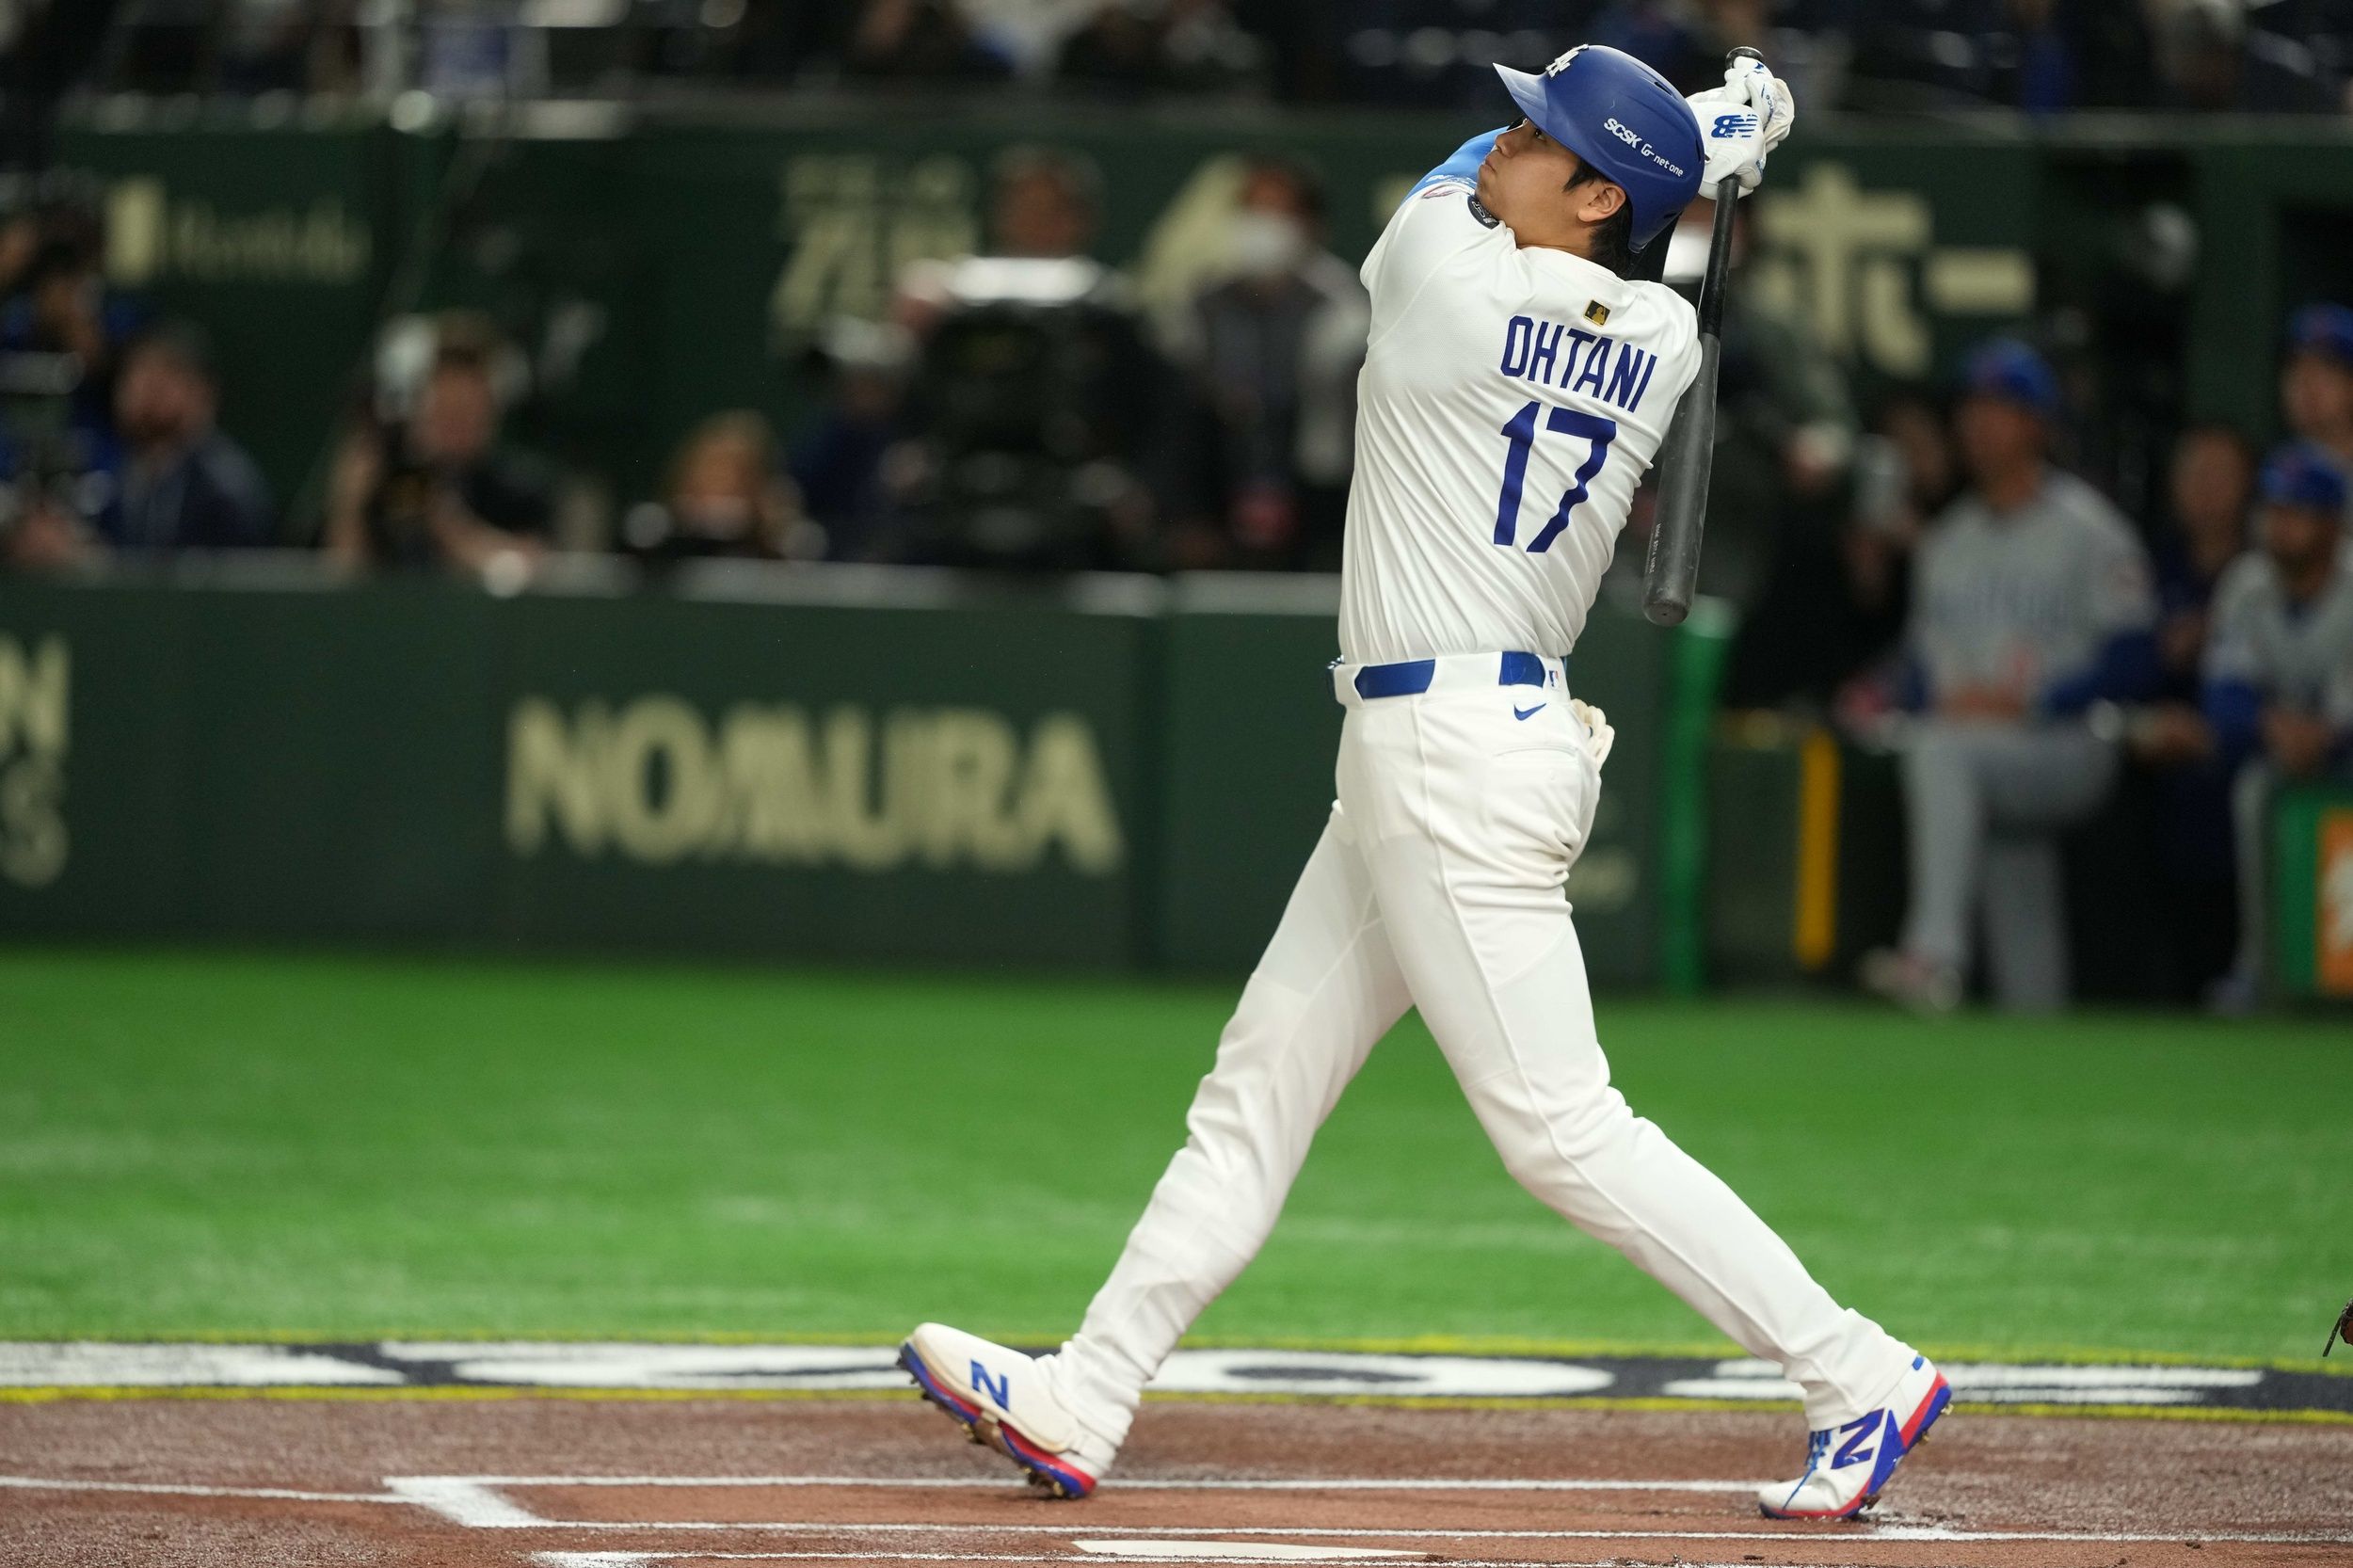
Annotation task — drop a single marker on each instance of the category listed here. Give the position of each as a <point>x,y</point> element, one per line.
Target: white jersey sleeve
<point>1511,400</point>
<point>2234,638</point>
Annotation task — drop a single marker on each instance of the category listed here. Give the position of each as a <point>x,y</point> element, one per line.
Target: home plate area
<point>463,1477</point>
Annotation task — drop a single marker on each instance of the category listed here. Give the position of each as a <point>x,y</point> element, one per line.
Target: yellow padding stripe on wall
<point>1814,933</point>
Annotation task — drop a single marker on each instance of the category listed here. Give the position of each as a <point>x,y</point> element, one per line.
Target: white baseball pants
<point>1439,883</point>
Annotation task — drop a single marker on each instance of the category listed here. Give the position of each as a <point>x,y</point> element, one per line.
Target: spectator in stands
<point>1834,602</point>
<point>1044,204</point>
<point>66,313</point>
<point>1683,42</point>
<point>930,40</point>
<point>724,497</point>
<point>1273,351</point>
<point>437,489</point>
<point>171,482</point>
<point>2210,485</point>
<point>843,458</point>
<point>2213,56</point>
<point>1159,46</point>
<point>308,46</point>
<point>181,483</point>
<point>1786,436</point>
<point>2280,671</point>
<point>1788,489</point>
<point>1909,475</point>
<point>2316,380</point>
<point>2031,602</point>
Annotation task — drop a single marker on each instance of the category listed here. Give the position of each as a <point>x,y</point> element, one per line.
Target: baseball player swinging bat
<point>1520,379</point>
<point>1671,570</point>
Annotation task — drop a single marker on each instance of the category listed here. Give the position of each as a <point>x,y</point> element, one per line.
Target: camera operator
<point>61,336</point>
<point>64,309</point>
<point>437,491</point>
<point>1035,402</point>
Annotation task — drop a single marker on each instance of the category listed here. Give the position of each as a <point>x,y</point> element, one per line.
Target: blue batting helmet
<point>1623,118</point>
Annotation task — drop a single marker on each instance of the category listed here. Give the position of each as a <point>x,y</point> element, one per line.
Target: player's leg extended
<point>1470,828</point>
<point>1323,994</point>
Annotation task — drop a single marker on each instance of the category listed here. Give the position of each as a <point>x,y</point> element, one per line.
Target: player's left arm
<point>1462,167</point>
<point>1439,220</point>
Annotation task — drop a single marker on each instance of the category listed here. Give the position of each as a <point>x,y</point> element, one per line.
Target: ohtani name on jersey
<point>1553,354</point>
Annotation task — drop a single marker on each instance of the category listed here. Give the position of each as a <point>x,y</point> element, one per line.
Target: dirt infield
<point>614,1484</point>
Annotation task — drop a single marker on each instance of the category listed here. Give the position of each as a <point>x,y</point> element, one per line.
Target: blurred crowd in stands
<point>2053,664</point>
<point>2038,55</point>
<point>1925,569</point>
<point>1960,569</point>
<point>109,434</point>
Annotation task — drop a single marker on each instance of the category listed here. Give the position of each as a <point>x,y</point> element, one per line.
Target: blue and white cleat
<point>1010,1403</point>
<point>1846,1467</point>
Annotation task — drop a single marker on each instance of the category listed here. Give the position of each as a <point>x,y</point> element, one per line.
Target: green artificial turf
<point>238,1146</point>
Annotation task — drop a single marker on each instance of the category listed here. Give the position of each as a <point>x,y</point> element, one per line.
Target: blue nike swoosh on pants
<point>1528,713</point>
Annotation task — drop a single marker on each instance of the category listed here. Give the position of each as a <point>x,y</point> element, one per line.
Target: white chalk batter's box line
<point>477,1502</point>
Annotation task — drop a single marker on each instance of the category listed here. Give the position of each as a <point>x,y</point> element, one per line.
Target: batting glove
<point>1599,737</point>
<point>1741,123</point>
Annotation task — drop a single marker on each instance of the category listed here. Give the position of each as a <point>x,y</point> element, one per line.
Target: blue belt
<point>1411,678</point>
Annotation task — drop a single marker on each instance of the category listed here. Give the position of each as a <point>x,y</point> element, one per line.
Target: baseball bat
<point>1671,574</point>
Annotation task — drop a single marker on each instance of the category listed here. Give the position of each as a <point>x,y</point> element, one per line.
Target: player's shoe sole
<point>1901,1438</point>
<point>1055,1477</point>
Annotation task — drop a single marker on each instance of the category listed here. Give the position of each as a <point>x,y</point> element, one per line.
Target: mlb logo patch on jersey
<point>1597,313</point>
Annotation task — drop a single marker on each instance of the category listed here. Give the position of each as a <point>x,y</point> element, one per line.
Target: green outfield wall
<point>804,765</point>
<point>662,265</point>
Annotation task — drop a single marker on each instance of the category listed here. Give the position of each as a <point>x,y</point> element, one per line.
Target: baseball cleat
<point>1846,1467</point>
<point>1009,1401</point>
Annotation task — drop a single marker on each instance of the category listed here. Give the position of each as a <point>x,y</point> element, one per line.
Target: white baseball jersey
<point>2301,655</point>
<point>1509,401</point>
<point>2027,597</point>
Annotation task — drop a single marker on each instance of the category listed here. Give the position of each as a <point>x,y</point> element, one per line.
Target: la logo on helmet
<point>1562,63</point>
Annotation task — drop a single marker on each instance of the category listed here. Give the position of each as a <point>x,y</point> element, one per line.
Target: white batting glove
<point>1599,737</point>
<point>1741,123</point>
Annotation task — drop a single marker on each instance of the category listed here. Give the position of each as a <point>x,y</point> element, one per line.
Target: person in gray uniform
<point>2032,604</point>
<point>2278,672</point>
